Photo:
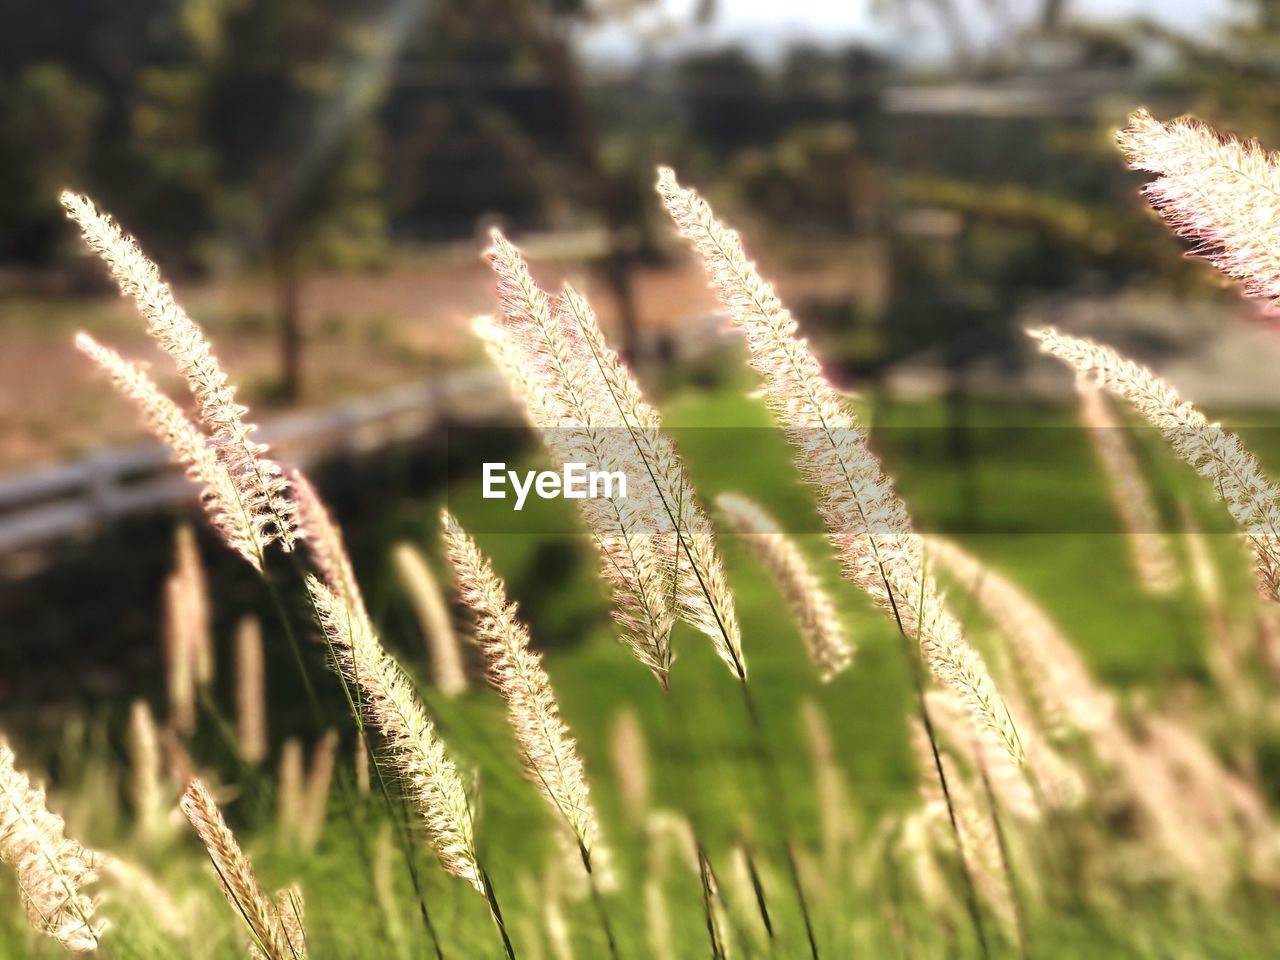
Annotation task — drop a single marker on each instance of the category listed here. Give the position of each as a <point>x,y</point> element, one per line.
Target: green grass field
<point>1048,505</point>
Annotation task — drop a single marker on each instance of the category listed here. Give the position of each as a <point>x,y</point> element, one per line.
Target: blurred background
<point>921,179</point>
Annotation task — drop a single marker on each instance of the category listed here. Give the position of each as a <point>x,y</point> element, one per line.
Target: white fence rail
<point>83,495</point>
<point>79,496</point>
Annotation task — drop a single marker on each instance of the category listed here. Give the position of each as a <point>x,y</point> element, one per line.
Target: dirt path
<point>365,332</point>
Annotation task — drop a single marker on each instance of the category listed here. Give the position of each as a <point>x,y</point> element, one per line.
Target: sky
<point>768,26</point>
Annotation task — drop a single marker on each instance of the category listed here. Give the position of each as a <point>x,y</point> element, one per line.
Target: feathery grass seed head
<point>259,484</point>
<point>811,606</point>
<point>52,869</point>
<point>413,747</point>
<point>260,914</point>
<point>549,752</point>
<point>432,611</point>
<point>1218,456</point>
<point>1221,193</point>
<point>867,521</point>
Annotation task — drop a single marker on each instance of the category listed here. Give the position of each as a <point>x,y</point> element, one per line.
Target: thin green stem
<point>773,790</point>
<point>1002,843</point>
<point>495,911</point>
<point>598,902</point>
<point>916,669</point>
<point>394,812</point>
<point>708,885</point>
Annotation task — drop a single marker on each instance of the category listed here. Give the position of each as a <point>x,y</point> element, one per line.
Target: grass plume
<point>548,750</point>
<point>251,691</point>
<point>188,446</point>
<point>1221,193</point>
<point>432,611</point>
<point>1218,456</point>
<point>413,746</point>
<point>260,486</point>
<point>866,520</point>
<point>811,606</point>
<point>52,869</point>
<point>1149,547</point>
<point>270,935</point>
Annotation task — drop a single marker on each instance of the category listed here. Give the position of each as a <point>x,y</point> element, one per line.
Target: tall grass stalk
<point>709,895</point>
<point>515,671</point>
<point>916,669</point>
<point>1006,863</point>
<point>718,601</point>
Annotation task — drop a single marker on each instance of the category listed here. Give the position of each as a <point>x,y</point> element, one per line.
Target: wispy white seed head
<point>413,747</point>
<point>268,934</point>
<point>258,481</point>
<point>316,793</point>
<point>579,394</point>
<point>324,542</point>
<point>188,446</point>
<point>811,605</point>
<point>147,792</point>
<point>631,764</point>
<point>1218,456</point>
<point>865,518</point>
<point>52,869</point>
<point>1061,686</point>
<point>1152,554</point>
<point>1220,193</point>
<point>251,691</point>
<point>432,610</point>
<point>549,752</point>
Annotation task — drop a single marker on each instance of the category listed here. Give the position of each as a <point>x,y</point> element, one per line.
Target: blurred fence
<point>76,498</point>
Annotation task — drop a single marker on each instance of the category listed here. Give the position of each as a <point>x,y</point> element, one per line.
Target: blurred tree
<point>284,94</point>
<point>816,180</point>
<point>549,27</point>
<point>214,128</point>
<point>508,72</point>
<point>47,119</point>
<point>1231,76</point>
<point>723,93</point>
<point>985,36</point>
<point>62,77</point>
